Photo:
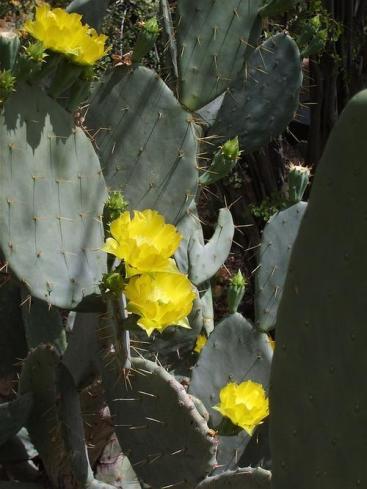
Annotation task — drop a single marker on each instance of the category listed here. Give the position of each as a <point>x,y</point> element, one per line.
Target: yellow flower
<point>64,33</point>
<point>244,404</point>
<point>144,242</point>
<point>160,299</point>
<point>200,343</point>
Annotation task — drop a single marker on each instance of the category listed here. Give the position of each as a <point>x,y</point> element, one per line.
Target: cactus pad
<point>146,141</point>
<point>205,260</point>
<point>214,38</point>
<point>158,426</point>
<point>263,100</point>
<point>13,345</point>
<point>277,242</point>
<point>52,195</point>
<point>43,324</point>
<point>235,352</point>
<point>318,399</point>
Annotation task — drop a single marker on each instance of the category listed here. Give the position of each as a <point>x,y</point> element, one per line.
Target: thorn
<point>125,399</point>
<point>256,269</point>
<point>147,394</point>
<point>155,420</point>
<point>155,457</point>
<point>173,485</point>
<point>182,450</point>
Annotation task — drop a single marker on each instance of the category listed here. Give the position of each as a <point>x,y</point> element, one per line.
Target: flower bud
<point>231,149</point>
<point>114,207</point>
<point>298,179</point>
<point>112,283</point>
<point>7,84</point>
<point>223,163</point>
<point>236,291</point>
<point>146,38</point>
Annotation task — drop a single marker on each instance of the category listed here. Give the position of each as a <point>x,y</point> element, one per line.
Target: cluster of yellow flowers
<point>244,404</point>
<point>64,33</point>
<point>162,296</point>
<point>156,291</point>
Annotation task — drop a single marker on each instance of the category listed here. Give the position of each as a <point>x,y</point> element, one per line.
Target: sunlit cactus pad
<point>52,194</point>
<point>146,141</point>
<point>214,38</point>
<point>263,100</point>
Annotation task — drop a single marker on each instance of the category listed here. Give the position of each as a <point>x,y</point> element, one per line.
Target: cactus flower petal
<point>244,404</point>
<point>64,33</point>
<point>160,299</point>
<point>145,242</point>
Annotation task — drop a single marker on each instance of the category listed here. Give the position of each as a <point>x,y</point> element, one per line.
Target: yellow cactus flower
<point>244,404</point>
<point>200,343</point>
<point>64,33</point>
<point>161,300</point>
<point>145,242</point>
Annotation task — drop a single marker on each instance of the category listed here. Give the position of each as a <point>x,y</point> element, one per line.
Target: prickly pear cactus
<point>43,324</point>
<point>214,38</point>
<point>277,243</point>
<point>146,141</point>
<point>319,362</point>
<point>235,352</point>
<point>13,345</point>
<point>263,99</point>
<point>276,7</point>
<point>206,259</point>
<point>55,422</point>
<point>52,194</point>
<point>157,424</point>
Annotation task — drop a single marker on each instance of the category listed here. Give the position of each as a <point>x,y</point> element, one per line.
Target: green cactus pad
<point>39,378</point>
<point>188,226</point>
<point>55,422</point>
<point>158,426</point>
<point>52,195</point>
<point>263,100</point>
<point>13,345</point>
<point>81,355</point>
<point>277,242</point>
<point>168,38</point>
<point>42,324</point>
<point>214,38</point>
<point>146,141</point>
<point>13,416</point>
<point>239,479</point>
<point>272,8</point>
<point>235,352</point>
<point>205,260</point>
<point>318,399</point>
